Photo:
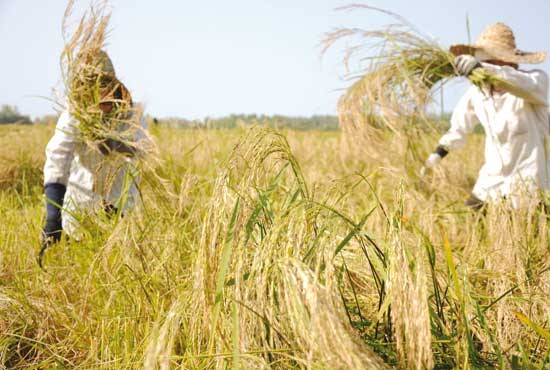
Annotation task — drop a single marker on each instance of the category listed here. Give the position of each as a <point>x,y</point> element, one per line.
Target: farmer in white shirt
<point>516,122</point>
<point>80,178</point>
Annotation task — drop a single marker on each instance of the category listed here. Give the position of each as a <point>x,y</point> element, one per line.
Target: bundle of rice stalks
<point>90,80</point>
<point>404,68</point>
<point>265,276</point>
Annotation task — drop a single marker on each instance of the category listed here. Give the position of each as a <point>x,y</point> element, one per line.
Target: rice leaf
<point>538,329</point>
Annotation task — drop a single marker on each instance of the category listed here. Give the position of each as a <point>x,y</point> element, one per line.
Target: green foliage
<point>10,114</point>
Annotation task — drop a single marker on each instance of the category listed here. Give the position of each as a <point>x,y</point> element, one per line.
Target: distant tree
<point>10,114</point>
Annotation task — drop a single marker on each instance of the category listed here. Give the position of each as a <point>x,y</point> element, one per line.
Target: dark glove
<point>55,193</point>
<point>108,146</point>
<point>51,233</point>
<point>434,159</point>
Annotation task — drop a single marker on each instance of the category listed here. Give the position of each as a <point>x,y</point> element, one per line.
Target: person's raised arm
<point>531,86</point>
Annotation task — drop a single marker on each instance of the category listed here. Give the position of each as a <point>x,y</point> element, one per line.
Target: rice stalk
<point>255,223</point>
<point>401,69</point>
<point>161,342</point>
<point>130,295</point>
<point>89,79</point>
<point>408,294</point>
<point>316,316</point>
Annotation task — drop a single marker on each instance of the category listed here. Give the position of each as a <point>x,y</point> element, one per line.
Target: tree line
<point>10,114</point>
<point>316,122</point>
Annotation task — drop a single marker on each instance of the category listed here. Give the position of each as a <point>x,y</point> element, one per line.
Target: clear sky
<point>212,57</point>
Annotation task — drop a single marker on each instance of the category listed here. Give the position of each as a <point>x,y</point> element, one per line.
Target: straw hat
<point>113,89</point>
<point>104,64</point>
<point>497,41</point>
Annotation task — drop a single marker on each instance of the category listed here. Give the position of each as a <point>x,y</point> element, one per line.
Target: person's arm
<point>463,121</point>
<point>59,156</point>
<point>54,193</point>
<point>531,86</point>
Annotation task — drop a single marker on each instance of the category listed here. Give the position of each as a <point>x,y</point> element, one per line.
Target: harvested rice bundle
<point>398,82</point>
<point>90,81</point>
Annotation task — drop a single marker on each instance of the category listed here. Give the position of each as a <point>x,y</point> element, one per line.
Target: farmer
<point>514,116</point>
<point>89,176</point>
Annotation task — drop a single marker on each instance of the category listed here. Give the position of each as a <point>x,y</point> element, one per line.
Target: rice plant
<point>257,248</point>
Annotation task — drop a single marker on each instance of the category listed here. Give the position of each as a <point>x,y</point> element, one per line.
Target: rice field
<point>263,249</point>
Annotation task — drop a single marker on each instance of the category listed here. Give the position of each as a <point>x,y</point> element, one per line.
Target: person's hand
<point>108,146</point>
<point>465,64</point>
<point>432,161</point>
<point>51,234</point>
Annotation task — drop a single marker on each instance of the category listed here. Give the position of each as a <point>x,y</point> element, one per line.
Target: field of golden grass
<point>261,249</point>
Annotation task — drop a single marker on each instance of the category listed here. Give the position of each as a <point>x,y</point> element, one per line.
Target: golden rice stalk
<point>86,82</point>
<point>161,342</point>
<point>318,319</point>
<point>398,82</point>
<point>408,293</point>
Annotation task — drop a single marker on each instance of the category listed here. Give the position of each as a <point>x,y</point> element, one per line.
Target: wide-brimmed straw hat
<point>497,41</point>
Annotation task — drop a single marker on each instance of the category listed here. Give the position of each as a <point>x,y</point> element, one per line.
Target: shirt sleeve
<point>531,86</point>
<point>60,150</point>
<point>463,121</point>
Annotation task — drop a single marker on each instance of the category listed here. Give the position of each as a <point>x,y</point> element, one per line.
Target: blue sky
<point>212,58</point>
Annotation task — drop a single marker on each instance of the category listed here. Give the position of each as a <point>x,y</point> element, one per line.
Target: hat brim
<point>517,56</point>
<point>109,94</point>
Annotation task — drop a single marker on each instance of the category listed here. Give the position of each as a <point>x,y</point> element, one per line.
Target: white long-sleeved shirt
<point>93,180</point>
<point>517,161</point>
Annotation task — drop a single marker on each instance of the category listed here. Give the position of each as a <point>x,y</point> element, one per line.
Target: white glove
<point>432,161</point>
<point>465,64</point>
